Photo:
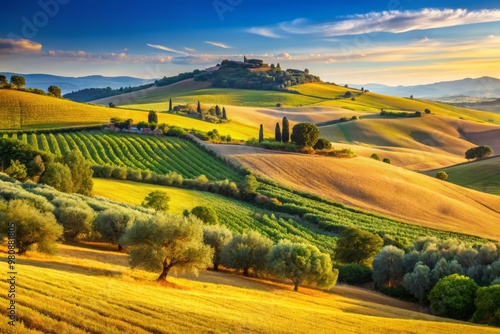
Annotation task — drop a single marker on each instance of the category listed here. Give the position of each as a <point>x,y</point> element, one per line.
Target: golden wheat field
<point>88,288</point>
<point>25,111</point>
<point>378,187</point>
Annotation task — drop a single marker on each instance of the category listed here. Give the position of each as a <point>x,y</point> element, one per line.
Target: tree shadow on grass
<point>89,253</point>
<point>67,267</point>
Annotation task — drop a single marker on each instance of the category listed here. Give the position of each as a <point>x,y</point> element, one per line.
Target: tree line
<point>453,279</point>
<point>18,82</point>
<point>156,241</point>
<point>67,173</point>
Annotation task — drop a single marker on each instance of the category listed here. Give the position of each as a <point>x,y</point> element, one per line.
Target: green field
<point>482,175</point>
<point>221,96</point>
<point>237,215</point>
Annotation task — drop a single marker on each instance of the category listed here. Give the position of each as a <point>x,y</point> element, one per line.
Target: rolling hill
<point>88,288</point>
<point>377,187</point>
<point>482,175</point>
<point>443,140</point>
<point>25,111</point>
<point>479,87</point>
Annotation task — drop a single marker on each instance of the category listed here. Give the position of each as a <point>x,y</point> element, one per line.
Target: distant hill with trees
<point>246,74</point>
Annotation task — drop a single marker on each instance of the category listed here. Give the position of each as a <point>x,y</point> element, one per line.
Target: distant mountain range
<point>480,87</point>
<point>70,84</point>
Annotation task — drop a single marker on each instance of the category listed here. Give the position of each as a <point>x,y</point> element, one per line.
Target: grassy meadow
<point>90,289</point>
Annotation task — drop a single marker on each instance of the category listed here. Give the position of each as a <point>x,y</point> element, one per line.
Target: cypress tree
<point>277,132</point>
<point>285,133</point>
<point>261,134</point>
<point>224,115</point>
<point>217,111</point>
<point>198,108</point>
<point>170,105</point>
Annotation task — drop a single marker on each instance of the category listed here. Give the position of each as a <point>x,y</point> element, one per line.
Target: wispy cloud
<point>265,32</point>
<point>219,45</point>
<point>189,49</point>
<point>8,46</point>
<point>165,48</point>
<point>388,21</point>
<point>121,57</point>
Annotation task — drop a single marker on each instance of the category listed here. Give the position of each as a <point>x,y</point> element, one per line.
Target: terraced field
<point>158,154</point>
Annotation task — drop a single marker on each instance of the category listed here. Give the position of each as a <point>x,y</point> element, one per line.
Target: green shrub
<point>322,144</point>
<point>442,175</point>
<point>488,305</point>
<point>33,227</point>
<point>206,214</point>
<point>305,134</point>
<point>453,297</point>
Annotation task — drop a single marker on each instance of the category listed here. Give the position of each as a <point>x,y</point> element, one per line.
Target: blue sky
<point>395,42</point>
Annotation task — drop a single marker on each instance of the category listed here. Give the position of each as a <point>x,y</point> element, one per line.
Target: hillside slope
<point>482,175</point>
<point>435,135</point>
<point>90,289</point>
<point>24,111</point>
<point>374,102</point>
<point>377,187</point>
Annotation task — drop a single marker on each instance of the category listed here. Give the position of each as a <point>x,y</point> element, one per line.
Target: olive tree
<point>17,170</point>
<point>206,214</point>
<point>217,237</point>
<point>453,297</point>
<point>81,172</point>
<point>418,282</point>
<point>302,263</point>
<point>247,251</point>
<point>33,227</point>
<point>168,242</point>
<point>387,267</point>
<point>58,176</point>
<point>112,224</point>
<point>157,200</point>
<point>76,220</point>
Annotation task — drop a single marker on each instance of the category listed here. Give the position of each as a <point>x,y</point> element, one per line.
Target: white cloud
<point>165,48</point>
<point>265,32</point>
<point>219,45</point>
<point>19,45</point>
<point>189,49</point>
<point>284,55</point>
<point>392,22</point>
